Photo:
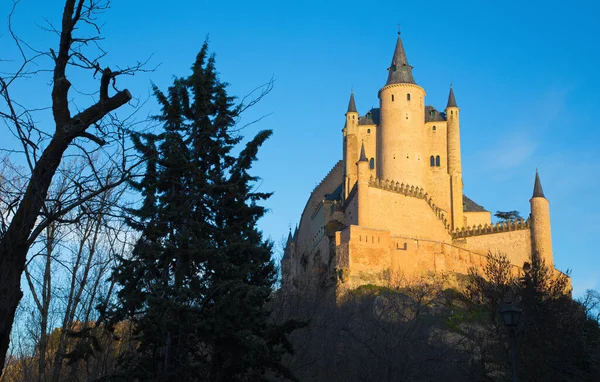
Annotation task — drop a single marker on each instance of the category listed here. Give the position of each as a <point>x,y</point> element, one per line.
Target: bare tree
<point>86,133</point>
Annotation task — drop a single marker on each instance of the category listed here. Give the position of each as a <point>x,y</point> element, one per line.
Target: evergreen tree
<point>196,285</point>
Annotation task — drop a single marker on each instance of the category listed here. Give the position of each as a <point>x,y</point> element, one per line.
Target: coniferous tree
<point>200,274</point>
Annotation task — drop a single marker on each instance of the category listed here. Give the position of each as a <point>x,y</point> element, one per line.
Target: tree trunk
<point>13,246</point>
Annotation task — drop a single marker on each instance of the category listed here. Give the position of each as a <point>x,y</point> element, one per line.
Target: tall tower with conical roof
<point>350,145</point>
<point>400,140</point>
<point>541,236</point>
<point>454,162</point>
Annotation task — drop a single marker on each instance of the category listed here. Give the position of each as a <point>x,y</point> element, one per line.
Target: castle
<point>394,207</point>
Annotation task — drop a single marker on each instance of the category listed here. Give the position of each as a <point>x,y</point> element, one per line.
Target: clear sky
<point>524,74</point>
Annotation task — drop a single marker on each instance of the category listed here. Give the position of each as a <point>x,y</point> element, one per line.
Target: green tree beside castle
<point>196,285</point>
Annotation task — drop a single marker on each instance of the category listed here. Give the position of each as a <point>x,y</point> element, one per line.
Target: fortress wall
<point>405,216</point>
<point>473,219</point>
<point>307,227</point>
<point>368,260</point>
<point>515,244</point>
<point>372,256</point>
<point>351,212</point>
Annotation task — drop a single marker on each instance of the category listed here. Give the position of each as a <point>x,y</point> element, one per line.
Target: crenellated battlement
<point>412,191</point>
<point>338,164</point>
<point>512,225</point>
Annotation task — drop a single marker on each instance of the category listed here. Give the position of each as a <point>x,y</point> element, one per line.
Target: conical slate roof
<point>451,98</point>
<point>537,188</point>
<point>363,157</point>
<point>400,72</point>
<point>352,104</point>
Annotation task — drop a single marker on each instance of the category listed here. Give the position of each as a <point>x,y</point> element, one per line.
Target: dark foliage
<point>508,215</point>
<point>200,274</point>
<point>556,341</point>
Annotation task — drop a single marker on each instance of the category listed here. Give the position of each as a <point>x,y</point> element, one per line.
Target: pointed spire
<point>451,99</point>
<point>352,104</point>
<point>400,72</point>
<point>537,188</point>
<point>289,239</point>
<point>363,157</point>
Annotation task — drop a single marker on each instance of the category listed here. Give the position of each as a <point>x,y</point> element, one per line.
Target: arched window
<point>372,163</point>
<point>431,161</point>
<point>408,96</point>
<point>368,131</point>
<point>433,128</point>
<point>437,161</point>
<point>392,98</point>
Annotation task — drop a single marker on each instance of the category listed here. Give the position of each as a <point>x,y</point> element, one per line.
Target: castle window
<point>433,128</point>
<point>392,98</point>
<point>451,112</point>
<point>431,161</point>
<point>406,115</point>
<point>437,161</point>
<point>408,96</point>
<point>372,163</point>
<point>368,131</point>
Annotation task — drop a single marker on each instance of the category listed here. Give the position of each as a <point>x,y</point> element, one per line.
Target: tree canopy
<point>196,284</point>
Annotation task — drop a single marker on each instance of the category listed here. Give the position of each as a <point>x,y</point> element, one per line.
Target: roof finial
<point>398,26</point>
<point>537,187</point>
<point>451,98</point>
<point>363,157</point>
<point>351,104</point>
<point>400,72</point>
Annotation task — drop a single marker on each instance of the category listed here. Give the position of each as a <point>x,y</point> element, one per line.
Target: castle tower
<point>540,224</point>
<point>454,164</point>
<point>402,105</point>
<point>364,175</point>
<point>350,148</point>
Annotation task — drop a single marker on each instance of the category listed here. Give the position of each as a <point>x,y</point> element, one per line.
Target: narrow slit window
<point>431,161</point>
<point>437,161</point>
<point>392,98</point>
<point>408,96</point>
<point>372,163</point>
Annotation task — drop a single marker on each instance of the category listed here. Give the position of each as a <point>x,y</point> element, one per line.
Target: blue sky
<point>524,74</point>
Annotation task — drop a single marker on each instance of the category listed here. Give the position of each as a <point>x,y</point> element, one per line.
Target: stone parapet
<point>512,225</point>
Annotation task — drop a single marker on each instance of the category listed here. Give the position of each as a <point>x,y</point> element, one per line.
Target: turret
<point>350,148</point>
<point>454,161</point>
<point>400,144</point>
<point>363,184</point>
<point>541,237</point>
